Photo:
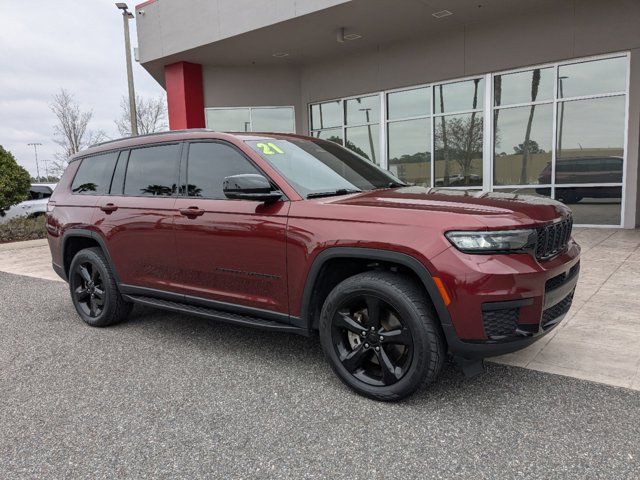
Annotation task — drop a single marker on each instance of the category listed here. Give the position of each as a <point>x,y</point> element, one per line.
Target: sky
<point>46,45</point>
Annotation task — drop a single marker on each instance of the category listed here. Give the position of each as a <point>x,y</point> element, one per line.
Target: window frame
<point>251,108</point>
<point>487,109</point>
<point>184,168</point>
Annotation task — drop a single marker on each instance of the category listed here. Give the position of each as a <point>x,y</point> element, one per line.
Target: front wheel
<point>380,335</point>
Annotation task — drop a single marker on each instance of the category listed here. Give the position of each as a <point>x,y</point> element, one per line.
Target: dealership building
<point>526,96</point>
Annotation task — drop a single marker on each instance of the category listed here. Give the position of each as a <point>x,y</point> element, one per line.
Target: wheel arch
<point>75,239</point>
<point>413,265</point>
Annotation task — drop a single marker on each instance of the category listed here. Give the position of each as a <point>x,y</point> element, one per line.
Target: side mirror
<point>250,186</point>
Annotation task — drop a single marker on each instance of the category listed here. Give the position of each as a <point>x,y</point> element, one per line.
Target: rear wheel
<point>94,291</point>
<point>380,335</point>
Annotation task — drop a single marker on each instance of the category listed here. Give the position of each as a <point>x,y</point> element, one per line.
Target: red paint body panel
<point>185,97</point>
<point>235,252</point>
<point>260,256</point>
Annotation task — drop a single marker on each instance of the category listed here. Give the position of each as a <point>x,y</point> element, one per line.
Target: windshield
<point>314,167</point>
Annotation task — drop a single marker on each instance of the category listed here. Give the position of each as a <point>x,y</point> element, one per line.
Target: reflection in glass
<point>590,140</point>
<point>331,134</point>
<point>409,150</point>
<point>542,191</point>
<point>409,103</point>
<point>364,141</point>
<point>593,205</point>
<point>209,164</point>
<point>589,78</point>
<point>228,119</point>
<point>459,96</point>
<point>326,115</point>
<point>363,110</point>
<point>152,171</point>
<point>523,87</point>
<point>523,144</point>
<point>273,119</point>
<point>458,155</point>
<point>94,174</point>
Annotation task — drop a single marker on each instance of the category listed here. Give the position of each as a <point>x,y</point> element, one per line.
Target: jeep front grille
<point>552,239</point>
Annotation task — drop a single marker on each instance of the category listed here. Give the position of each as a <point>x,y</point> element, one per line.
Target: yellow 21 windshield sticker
<point>269,148</point>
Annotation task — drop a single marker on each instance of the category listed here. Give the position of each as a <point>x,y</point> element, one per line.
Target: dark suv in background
<point>295,234</point>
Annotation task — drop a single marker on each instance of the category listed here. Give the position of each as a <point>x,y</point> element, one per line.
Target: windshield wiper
<point>339,191</point>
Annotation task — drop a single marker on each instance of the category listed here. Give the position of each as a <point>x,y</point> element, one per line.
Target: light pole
<point>366,112</point>
<point>35,149</point>
<point>126,15</point>
<point>561,92</point>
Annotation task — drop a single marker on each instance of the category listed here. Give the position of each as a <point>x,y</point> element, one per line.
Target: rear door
<point>136,217</point>
<point>231,251</point>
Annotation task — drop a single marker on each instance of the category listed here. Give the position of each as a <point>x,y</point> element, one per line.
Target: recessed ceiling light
<point>352,36</point>
<point>442,13</point>
<point>280,54</point>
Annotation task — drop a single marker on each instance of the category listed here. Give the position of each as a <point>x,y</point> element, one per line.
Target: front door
<point>231,251</point>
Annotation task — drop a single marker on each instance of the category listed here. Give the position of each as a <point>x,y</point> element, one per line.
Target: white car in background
<point>35,205</point>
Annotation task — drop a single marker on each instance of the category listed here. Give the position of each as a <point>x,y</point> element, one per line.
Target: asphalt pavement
<point>172,396</point>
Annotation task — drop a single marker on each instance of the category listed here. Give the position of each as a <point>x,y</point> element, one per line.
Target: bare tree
<point>151,114</point>
<point>71,132</point>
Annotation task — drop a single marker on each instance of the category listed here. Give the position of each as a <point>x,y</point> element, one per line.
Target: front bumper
<point>503,303</point>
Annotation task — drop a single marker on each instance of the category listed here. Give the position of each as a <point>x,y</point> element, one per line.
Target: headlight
<point>492,241</point>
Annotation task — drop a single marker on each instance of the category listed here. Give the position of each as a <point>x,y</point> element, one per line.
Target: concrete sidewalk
<point>599,340</point>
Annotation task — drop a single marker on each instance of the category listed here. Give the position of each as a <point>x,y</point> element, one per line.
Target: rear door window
<point>152,171</point>
<point>94,174</point>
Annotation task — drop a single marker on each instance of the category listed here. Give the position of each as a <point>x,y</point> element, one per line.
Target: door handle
<point>191,212</point>
<point>108,208</point>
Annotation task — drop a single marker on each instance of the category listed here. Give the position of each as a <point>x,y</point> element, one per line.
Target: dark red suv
<point>295,234</point>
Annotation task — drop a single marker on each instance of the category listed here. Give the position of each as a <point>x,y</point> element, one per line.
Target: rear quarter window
<point>94,174</point>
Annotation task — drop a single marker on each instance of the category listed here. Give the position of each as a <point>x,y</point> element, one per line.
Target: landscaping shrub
<point>22,229</point>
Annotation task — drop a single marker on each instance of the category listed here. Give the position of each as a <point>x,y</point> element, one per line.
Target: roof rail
<point>186,130</point>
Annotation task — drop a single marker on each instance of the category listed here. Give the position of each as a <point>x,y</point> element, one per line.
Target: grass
<point>20,229</point>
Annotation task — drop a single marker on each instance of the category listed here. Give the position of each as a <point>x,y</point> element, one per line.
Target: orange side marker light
<point>442,290</point>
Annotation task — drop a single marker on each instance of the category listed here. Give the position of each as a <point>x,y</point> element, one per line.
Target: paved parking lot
<point>172,396</point>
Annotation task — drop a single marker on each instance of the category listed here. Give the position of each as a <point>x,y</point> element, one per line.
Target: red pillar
<point>185,99</point>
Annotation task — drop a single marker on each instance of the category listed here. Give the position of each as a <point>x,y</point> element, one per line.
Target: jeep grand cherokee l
<point>295,234</point>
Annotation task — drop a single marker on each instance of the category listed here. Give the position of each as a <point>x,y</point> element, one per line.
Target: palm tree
<point>535,83</point>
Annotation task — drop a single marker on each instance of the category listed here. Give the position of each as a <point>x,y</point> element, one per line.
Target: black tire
<point>414,363</point>
<point>94,291</point>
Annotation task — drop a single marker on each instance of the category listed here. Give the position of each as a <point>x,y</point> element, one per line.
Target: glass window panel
<point>326,115</point>
<point>458,155</point>
<point>589,78</point>
<point>541,192</point>
<point>278,119</point>
<point>229,119</point>
<point>593,205</point>
<point>363,110</point>
<point>152,171</point>
<point>364,141</point>
<point>523,145</point>
<point>590,140</point>
<point>331,134</point>
<point>523,87</point>
<point>209,164</point>
<point>410,150</point>
<point>94,174</point>
<point>459,96</point>
<point>409,103</point>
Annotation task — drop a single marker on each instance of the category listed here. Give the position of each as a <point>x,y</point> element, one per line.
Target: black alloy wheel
<point>371,340</point>
<point>89,289</point>
<point>379,331</point>
<point>94,290</point>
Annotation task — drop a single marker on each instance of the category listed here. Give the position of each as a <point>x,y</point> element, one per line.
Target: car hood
<point>491,208</point>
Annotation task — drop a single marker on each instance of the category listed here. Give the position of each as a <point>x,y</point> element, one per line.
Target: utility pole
<point>35,149</point>
<point>126,15</point>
